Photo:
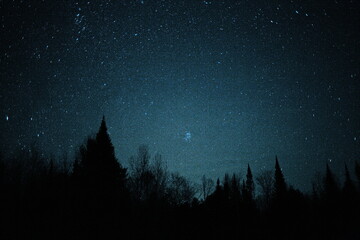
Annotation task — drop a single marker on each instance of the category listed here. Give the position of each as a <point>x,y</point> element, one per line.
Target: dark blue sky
<point>211,85</point>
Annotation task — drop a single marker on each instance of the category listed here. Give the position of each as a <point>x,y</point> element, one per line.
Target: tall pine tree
<point>106,155</point>
<point>357,173</point>
<point>100,193</point>
<point>249,184</point>
<point>349,191</point>
<point>349,188</point>
<point>331,187</point>
<point>97,165</point>
<point>280,187</point>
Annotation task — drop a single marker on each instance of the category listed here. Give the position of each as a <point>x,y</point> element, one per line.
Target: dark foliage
<point>249,185</point>
<point>357,172</point>
<point>279,184</point>
<point>97,198</point>
<point>349,190</point>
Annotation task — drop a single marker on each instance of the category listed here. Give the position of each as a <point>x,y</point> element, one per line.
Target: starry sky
<point>210,85</point>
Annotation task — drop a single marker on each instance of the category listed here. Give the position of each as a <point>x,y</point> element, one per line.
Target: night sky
<point>210,85</point>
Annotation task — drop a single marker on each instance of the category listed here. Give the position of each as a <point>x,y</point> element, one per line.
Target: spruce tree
<point>349,188</point>
<point>280,187</point>
<point>106,155</point>
<point>235,188</point>
<point>249,184</point>
<point>226,187</point>
<point>331,188</point>
<point>357,173</point>
<point>348,184</point>
<point>97,165</point>
<point>2,170</point>
<point>218,187</point>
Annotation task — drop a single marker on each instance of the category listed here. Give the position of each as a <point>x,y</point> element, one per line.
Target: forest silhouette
<point>95,197</point>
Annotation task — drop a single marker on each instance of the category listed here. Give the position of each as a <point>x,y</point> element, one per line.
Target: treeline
<point>95,197</point>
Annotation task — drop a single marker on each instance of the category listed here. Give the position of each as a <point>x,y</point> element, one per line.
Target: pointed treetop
<point>278,170</point>
<point>249,174</point>
<point>329,173</point>
<point>328,168</point>
<point>102,130</point>
<point>357,169</point>
<point>349,187</point>
<point>331,187</point>
<point>357,172</point>
<point>250,186</point>
<point>279,184</point>
<point>348,180</point>
<point>218,187</point>
<point>103,123</point>
<point>347,174</point>
<point>103,139</point>
<point>277,165</point>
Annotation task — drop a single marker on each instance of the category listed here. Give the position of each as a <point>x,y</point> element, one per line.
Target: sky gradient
<point>210,85</point>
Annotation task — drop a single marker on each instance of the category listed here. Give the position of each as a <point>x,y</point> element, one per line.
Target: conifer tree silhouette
<point>218,187</point>
<point>249,184</point>
<point>226,187</point>
<point>98,159</point>
<point>280,187</point>
<point>330,185</point>
<point>97,170</point>
<point>106,155</point>
<point>100,183</point>
<point>2,170</point>
<point>207,186</point>
<point>349,188</point>
<point>265,180</point>
<point>357,173</point>
<point>218,196</point>
<point>349,196</point>
<point>235,188</point>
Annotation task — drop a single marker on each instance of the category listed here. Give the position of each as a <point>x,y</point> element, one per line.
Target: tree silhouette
<point>98,162</point>
<point>226,186</point>
<point>349,188</point>
<point>180,190</point>
<point>99,187</point>
<point>161,176</point>
<point>106,153</point>
<point>330,186</point>
<point>217,197</point>
<point>249,186</point>
<point>142,180</point>
<point>266,182</point>
<point>235,193</point>
<point>279,182</point>
<point>39,195</point>
<point>2,170</point>
<point>357,173</point>
<point>207,186</point>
